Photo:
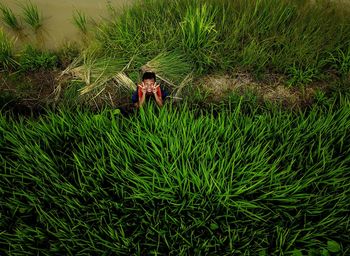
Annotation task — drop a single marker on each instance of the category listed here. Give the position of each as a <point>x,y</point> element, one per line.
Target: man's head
<point>149,78</point>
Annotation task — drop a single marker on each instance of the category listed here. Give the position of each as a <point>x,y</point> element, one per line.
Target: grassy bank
<point>297,38</point>
<point>301,41</point>
<point>237,180</point>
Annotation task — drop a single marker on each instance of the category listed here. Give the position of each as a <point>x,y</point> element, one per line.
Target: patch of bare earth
<point>272,88</point>
<point>31,90</point>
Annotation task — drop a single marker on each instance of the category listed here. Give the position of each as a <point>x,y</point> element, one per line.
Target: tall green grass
<point>7,58</point>
<point>237,179</point>
<point>199,34</point>
<point>295,38</point>
<point>9,18</point>
<point>80,21</point>
<point>32,16</point>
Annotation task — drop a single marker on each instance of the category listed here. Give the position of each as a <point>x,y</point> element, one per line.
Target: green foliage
<point>341,61</point>
<point>333,246</point>
<point>258,36</point>
<point>32,59</point>
<point>254,57</point>
<point>7,59</point>
<point>170,65</point>
<point>70,98</point>
<point>325,252</point>
<point>80,21</point>
<point>9,18</point>
<point>32,16</point>
<point>199,35</point>
<point>95,70</point>
<point>239,179</point>
<point>297,252</point>
<point>300,76</point>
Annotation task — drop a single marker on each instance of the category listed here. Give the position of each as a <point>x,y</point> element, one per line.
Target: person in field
<point>148,89</point>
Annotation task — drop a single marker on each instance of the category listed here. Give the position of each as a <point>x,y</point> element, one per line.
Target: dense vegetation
<point>239,178</point>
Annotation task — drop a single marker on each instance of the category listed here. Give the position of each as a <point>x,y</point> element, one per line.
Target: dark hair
<point>149,75</point>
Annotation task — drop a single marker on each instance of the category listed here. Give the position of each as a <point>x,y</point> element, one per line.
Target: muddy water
<point>58,15</point>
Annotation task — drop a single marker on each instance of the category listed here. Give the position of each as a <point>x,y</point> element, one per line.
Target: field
<point>239,176</point>
<point>232,180</point>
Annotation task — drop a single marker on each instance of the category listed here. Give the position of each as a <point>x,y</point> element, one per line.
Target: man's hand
<point>143,88</point>
<point>154,89</point>
<point>143,97</point>
<point>158,98</point>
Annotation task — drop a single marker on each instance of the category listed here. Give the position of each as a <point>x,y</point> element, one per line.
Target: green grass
<point>7,58</point>
<point>32,59</point>
<point>80,21</point>
<point>95,71</point>
<point>294,38</point>
<point>199,34</point>
<point>235,179</point>
<point>32,16</point>
<point>9,18</point>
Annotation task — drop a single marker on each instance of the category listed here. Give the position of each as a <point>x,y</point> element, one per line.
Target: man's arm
<point>159,99</point>
<point>141,100</point>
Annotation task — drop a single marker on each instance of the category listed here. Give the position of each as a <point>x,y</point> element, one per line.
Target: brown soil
<point>32,89</point>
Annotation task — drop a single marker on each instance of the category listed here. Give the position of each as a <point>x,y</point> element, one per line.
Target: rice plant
<point>7,58</point>
<point>169,66</point>
<point>96,71</point>
<point>80,21</point>
<point>258,36</point>
<point>300,76</point>
<point>32,16</point>
<point>199,35</point>
<point>341,61</point>
<point>235,179</point>
<point>9,18</point>
<point>32,59</point>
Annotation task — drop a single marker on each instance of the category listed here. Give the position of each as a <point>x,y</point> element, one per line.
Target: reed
<point>9,18</point>
<point>7,58</point>
<point>80,21</point>
<point>32,16</point>
<point>172,66</point>
<point>95,71</point>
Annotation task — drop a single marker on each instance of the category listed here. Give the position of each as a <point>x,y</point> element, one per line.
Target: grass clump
<point>234,179</point>
<point>94,70</point>
<point>199,37</point>
<point>340,60</point>
<point>9,18</point>
<point>33,59</point>
<point>32,16</point>
<point>7,58</point>
<point>173,66</point>
<point>80,21</point>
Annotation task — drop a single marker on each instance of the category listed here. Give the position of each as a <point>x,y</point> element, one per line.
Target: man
<point>147,89</point>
